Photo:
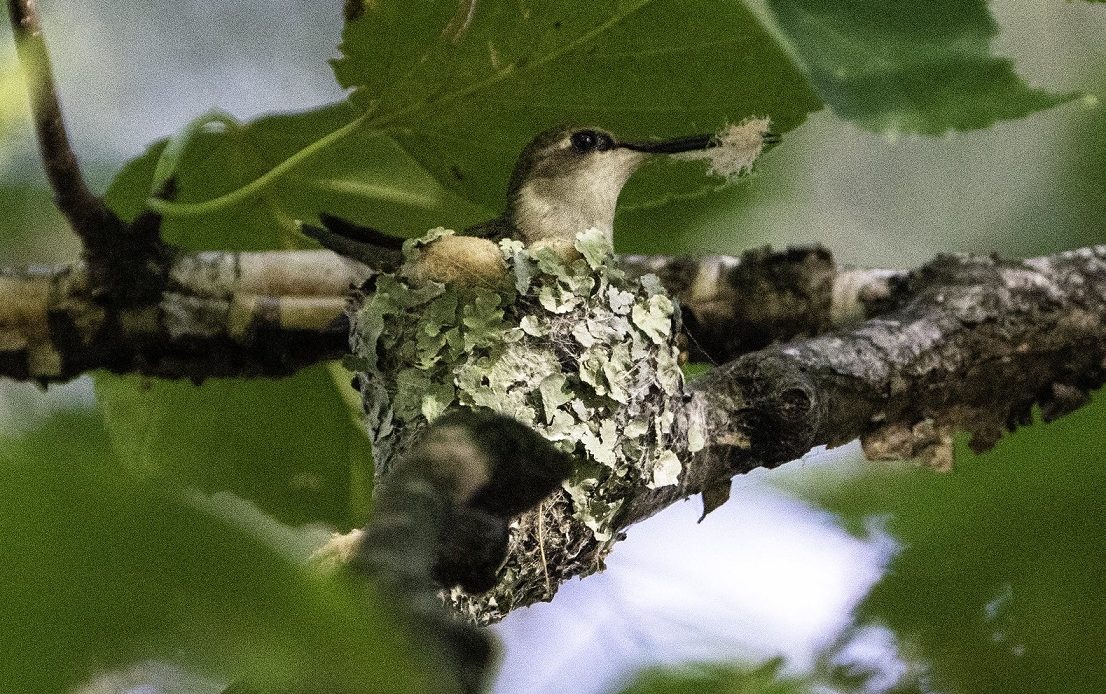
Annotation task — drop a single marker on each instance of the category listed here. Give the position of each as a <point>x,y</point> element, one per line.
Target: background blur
<point>989,584</point>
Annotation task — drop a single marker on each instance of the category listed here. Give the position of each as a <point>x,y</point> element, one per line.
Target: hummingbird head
<point>568,180</point>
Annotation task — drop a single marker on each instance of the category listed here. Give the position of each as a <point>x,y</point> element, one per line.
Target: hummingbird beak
<point>690,143</point>
<point>676,145</point>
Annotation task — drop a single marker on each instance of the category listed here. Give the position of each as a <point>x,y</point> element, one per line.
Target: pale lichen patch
<point>666,470</point>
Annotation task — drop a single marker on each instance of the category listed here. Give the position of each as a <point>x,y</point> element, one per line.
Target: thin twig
<point>87,214</point>
<point>541,548</point>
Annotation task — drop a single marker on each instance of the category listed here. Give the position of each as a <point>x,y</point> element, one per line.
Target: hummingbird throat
<point>560,207</point>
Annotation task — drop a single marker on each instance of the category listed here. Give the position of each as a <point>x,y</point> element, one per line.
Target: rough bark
<point>975,345</point>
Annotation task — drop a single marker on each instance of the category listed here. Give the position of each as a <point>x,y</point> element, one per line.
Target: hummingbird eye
<point>584,141</point>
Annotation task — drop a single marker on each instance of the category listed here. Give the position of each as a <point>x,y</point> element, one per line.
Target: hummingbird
<point>568,180</point>
<point>565,181</point>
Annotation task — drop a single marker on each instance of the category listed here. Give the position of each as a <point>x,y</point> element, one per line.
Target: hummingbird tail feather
<point>383,256</point>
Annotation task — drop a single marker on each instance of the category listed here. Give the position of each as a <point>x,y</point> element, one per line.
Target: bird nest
<point>572,348</point>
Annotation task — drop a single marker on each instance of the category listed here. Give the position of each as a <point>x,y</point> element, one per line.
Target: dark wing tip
<point>359,232</point>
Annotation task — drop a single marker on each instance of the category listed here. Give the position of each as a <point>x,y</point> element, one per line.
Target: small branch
<point>220,314</point>
<point>87,214</point>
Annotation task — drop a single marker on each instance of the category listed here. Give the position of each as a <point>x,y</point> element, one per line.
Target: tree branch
<point>965,344</point>
<point>442,519</point>
<point>720,296</point>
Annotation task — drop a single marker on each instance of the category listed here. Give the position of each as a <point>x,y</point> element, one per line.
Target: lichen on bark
<point>572,348</point>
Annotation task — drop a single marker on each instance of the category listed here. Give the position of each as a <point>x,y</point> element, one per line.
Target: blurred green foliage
<point>289,445</point>
<point>102,570</point>
<point>717,679</point>
<point>33,230</point>
<point>366,177</point>
<point>1072,211</point>
<point>998,584</point>
<point>115,557</point>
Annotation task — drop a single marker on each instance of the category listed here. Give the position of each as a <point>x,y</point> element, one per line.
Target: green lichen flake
<point>576,350</point>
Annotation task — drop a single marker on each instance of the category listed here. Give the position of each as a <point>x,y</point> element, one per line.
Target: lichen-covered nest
<point>574,349</point>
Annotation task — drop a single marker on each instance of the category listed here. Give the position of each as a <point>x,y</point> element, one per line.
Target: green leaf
<point>32,230</point>
<point>998,586</point>
<point>288,445</point>
<point>553,394</point>
<point>717,679</point>
<point>104,571</point>
<point>463,86</point>
<point>908,67</point>
<point>366,178</point>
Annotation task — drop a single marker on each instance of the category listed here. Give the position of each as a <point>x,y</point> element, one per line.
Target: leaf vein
<point>510,70</point>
